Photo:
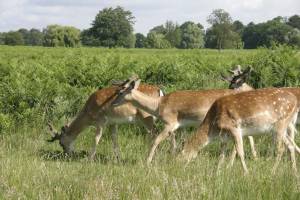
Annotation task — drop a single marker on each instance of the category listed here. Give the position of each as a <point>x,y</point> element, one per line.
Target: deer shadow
<point>77,156</point>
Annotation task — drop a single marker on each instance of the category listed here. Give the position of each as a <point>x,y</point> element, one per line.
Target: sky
<point>15,14</point>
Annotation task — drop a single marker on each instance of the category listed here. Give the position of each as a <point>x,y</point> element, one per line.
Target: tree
<point>140,40</point>
<point>238,27</point>
<point>2,37</point>
<point>113,27</point>
<point>159,29</point>
<point>66,36</point>
<point>25,34</point>
<point>88,39</point>
<point>173,33</point>
<point>71,36</point>
<point>157,41</point>
<point>170,32</point>
<point>221,26</point>
<point>191,36</point>
<point>13,38</point>
<point>264,34</point>
<point>35,37</point>
<point>294,21</point>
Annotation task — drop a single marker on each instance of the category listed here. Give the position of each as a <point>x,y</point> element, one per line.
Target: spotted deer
<point>243,114</point>
<point>176,109</point>
<point>234,82</point>
<point>98,111</point>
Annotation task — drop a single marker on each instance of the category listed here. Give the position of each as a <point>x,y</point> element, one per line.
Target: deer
<point>177,109</point>
<point>235,80</point>
<point>242,114</point>
<point>98,111</point>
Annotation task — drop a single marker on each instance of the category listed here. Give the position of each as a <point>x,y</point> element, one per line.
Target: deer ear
<point>137,84</point>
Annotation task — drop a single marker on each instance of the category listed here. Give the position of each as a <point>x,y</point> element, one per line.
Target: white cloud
<point>15,14</point>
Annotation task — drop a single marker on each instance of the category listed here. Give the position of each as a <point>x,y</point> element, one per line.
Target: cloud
<point>15,14</point>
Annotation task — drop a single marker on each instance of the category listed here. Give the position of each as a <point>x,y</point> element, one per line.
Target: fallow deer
<point>246,113</point>
<point>98,111</point>
<point>234,82</point>
<point>176,109</point>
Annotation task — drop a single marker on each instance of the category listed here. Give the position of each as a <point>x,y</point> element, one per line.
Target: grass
<point>30,168</point>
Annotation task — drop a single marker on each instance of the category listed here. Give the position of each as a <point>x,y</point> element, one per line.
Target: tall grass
<point>32,169</point>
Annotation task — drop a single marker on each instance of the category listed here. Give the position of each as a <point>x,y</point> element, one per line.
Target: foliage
<point>87,38</point>
<point>35,37</point>
<point>294,21</point>
<point>32,37</point>
<point>140,40</point>
<point>13,38</point>
<point>187,36</point>
<point>38,84</point>
<point>64,36</point>
<point>2,37</point>
<point>157,41</point>
<point>173,34</point>
<point>192,36</point>
<point>113,27</point>
<point>223,34</point>
<point>277,67</point>
<point>264,34</point>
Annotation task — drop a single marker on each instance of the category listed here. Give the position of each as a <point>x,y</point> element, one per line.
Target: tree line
<point>113,27</point>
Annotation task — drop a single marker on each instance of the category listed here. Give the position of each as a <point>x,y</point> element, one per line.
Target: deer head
<point>124,94</point>
<point>238,77</point>
<point>64,141</point>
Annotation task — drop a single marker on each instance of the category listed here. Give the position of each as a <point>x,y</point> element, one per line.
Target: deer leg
<point>162,136</point>
<point>234,152</point>
<point>240,149</point>
<point>232,157</point>
<point>115,141</point>
<point>254,153</point>
<point>294,144</point>
<point>174,144</point>
<point>222,155</point>
<point>279,148</point>
<point>146,120</point>
<point>98,135</point>
<point>292,152</point>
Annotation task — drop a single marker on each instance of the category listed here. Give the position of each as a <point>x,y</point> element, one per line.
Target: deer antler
<point>55,135</point>
<point>237,71</point>
<point>118,82</point>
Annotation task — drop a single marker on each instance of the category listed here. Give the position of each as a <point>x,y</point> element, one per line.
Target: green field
<point>42,84</point>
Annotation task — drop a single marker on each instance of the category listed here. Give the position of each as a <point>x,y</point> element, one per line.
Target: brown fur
<point>99,111</point>
<point>229,115</point>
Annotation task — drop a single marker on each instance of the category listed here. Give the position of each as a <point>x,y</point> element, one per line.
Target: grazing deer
<point>98,111</point>
<point>176,109</point>
<point>247,113</point>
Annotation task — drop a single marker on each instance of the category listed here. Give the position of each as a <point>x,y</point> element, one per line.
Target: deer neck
<point>77,125</point>
<point>145,102</point>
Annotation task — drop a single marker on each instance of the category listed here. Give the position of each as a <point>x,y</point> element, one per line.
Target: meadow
<point>51,84</point>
